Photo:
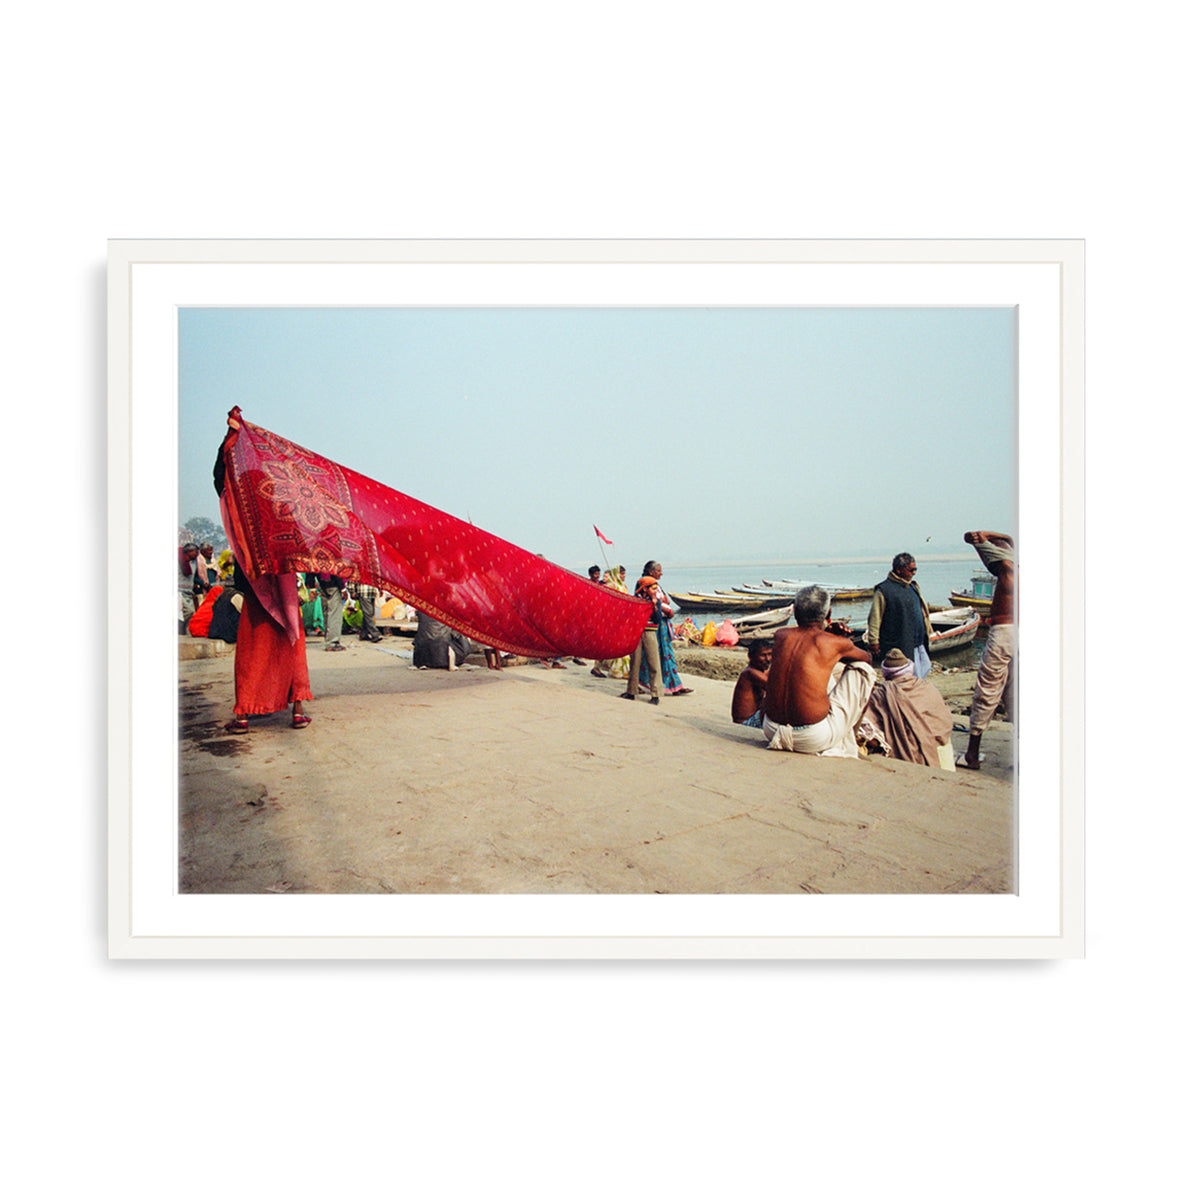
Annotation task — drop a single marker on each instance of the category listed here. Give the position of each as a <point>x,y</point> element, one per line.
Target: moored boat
<point>952,628</point>
<point>721,602</point>
<point>773,618</point>
<point>777,591</point>
<point>978,596</point>
<point>838,593</point>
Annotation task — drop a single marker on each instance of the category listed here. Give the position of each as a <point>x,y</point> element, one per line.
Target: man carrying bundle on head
<point>818,684</point>
<point>995,680</point>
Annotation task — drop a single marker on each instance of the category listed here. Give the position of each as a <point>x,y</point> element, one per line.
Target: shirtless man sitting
<point>751,687</point>
<point>809,709</point>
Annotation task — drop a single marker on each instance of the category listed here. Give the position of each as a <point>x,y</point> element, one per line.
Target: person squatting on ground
<point>750,691</point>
<point>647,647</point>
<point>227,608</point>
<point>818,685</point>
<point>996,677</point>
<point>900,617</point>
<point>437,645</point>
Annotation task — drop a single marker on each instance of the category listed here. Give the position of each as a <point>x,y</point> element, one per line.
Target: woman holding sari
<point>270,663</point>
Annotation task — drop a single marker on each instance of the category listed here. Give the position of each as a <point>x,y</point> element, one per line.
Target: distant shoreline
<point>820,562</point>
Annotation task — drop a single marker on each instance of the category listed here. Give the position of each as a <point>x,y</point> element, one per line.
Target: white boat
<point>837,591</point>
<point>952,628</point>
<point>773,618</point>
<point>770,590</point>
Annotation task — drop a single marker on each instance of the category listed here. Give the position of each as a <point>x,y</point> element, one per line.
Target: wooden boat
<point>971,602</point>
<point>978,596</point>
<point>953,628</point>
<point>716,602</point>
<point>773,618</point>
<point>837,592</point>
<point>771,591</point>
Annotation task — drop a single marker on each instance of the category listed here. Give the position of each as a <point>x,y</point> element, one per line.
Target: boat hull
<point>978,603</point>
<point>712,602</point>
<point>953,635</point>
<point>789,587</point>
<point>773,618</point>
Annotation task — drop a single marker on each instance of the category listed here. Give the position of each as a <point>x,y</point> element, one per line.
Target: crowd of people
<point>811,689</point>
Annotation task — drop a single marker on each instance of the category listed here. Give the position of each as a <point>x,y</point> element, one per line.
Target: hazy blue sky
<point>686,434</point>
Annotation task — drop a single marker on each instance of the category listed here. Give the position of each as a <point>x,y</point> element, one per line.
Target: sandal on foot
<point>302,721</point>
<point>236,726</point>
<point>961,761</point>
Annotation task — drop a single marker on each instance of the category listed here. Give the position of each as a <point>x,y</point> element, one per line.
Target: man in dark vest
<point>899,617</point>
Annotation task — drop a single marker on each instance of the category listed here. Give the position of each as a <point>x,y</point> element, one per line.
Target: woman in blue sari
<point>672,684</point>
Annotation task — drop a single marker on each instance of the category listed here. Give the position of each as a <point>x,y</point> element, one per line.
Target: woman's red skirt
<point>269,672</point>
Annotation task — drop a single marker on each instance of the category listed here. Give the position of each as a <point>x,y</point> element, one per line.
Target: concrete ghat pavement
<point>537,781</point>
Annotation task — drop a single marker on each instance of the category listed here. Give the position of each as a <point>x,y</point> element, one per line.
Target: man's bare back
<point>1005,573</point>
<point>801,664</point>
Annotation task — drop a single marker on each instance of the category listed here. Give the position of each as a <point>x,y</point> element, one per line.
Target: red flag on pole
<point>606,541</point>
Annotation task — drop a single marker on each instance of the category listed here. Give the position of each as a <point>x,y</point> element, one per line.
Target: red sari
<point>270,664</point>
<point>287,509</point>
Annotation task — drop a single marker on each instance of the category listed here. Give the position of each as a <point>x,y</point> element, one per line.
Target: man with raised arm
<point>996,677</point>
<point>818,685</point>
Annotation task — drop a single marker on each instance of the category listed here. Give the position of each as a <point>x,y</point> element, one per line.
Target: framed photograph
<point>494,425</point>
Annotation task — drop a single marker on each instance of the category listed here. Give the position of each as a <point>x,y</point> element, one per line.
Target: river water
<point>937,578</point>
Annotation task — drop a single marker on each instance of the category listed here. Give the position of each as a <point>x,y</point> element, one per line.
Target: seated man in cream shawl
<point>907,718</point>
<point>818,685</point>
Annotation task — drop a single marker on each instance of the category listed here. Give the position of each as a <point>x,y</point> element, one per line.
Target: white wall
<point>660,120</point>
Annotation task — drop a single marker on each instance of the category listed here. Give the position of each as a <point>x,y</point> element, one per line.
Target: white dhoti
<point>834,736</point>
<point>994,678</point>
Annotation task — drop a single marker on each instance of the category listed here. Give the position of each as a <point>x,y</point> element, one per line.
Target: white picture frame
<point>149,280</point>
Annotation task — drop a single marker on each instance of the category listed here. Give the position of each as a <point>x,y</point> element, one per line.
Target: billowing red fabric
<point>287,509</point>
